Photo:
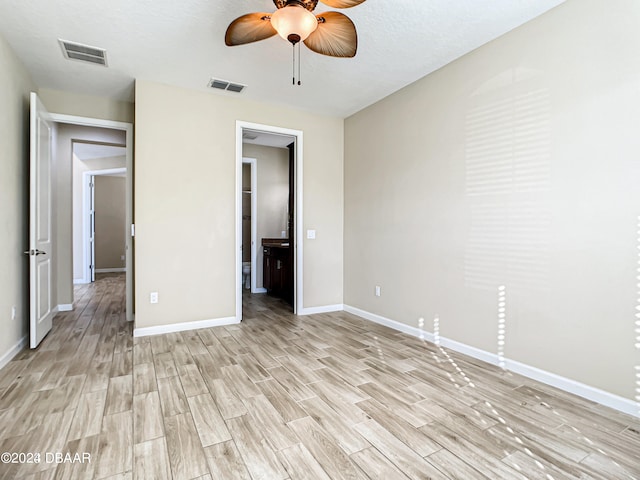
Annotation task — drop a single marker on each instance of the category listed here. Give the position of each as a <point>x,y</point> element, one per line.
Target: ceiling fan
<point>328,33</point>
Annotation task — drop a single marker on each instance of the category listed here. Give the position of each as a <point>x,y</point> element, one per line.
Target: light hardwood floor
<point>328,396</point>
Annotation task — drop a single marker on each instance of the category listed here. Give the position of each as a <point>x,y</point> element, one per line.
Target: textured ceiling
<point>91,151</point>
<point>182,43</point>
<point>256,137</point>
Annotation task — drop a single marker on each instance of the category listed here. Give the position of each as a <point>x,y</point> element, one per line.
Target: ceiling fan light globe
<point>294,22</point>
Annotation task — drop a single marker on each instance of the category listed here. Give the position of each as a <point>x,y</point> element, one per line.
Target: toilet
<point>246,274</point>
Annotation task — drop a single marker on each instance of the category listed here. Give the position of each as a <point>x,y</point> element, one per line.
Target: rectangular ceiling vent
<point>84,53</point>
<point>249,136</point>
<point>225,85</point>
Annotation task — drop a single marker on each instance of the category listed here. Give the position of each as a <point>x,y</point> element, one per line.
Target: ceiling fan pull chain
<point>293,61</point>
<point>299,62</point>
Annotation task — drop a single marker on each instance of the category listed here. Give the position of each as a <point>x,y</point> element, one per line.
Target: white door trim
<point>254,221</point>
<point>86,204</point>
<point>298,260</point>
<point>128,129</point>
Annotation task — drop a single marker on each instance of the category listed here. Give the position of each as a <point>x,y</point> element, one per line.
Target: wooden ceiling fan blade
<point>342,3</point>
<point>335,36</point>
<point>249,28</point>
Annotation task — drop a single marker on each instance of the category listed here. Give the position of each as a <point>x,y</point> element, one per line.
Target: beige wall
<point>516,165</point>
<point>110,207</point>
<point>86,105</point>
<point>15,85</point>
<point>185,201</point>
<point>64,198</point>
<point>79,167</point>
<point>272,166</point>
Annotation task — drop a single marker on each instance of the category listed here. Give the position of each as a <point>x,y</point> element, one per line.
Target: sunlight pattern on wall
<point>502,316</point>
<point>507,182</point>
<point>508,142</point>
<point>508,243</point>
<point>436,330</point>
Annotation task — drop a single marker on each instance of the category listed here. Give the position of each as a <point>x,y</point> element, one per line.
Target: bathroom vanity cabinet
<point>277,268</point>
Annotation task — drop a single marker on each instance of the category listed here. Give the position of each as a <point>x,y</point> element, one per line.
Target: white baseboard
<point>260,290</point>
<point>387,322</point>
<point>110,270</point>
<point>474,352</point>
<point>65,307</point>
<point>181,327</point>
<point>602,397</point>
<point>13,351</point>
<point>321,309</point>
<point>80,281</point>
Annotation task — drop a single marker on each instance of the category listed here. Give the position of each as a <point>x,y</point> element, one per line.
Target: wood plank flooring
<point>328,396</point>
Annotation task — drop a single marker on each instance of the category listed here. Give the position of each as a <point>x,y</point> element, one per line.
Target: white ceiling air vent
<point>225,85</point>
<point>84,53</point>
<point>249,136</point>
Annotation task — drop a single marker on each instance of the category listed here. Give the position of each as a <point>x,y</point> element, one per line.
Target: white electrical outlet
<point>13,312</point>
<point>122,257</point>
<point>153,297</point>
<point>311,234</point>
<point>377,291</point>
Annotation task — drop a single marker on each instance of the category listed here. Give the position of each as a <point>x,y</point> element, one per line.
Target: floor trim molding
<point>181,327</point>
<point>322,309</point>
<point>111,270</point>
<point>64,307</point>
<point>586,391</point>
<point>13,351</point>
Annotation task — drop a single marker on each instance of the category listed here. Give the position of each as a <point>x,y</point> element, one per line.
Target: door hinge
<point>133,230</point>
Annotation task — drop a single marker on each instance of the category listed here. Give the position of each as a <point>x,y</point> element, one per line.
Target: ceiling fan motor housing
<point>308,4</point>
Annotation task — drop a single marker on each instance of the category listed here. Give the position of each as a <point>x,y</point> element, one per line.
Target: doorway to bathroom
<point>269,262</point>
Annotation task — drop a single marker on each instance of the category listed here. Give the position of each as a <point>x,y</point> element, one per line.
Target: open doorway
<point>269,260</point>
<point>103,222</point>
<point>99,190</point>
<point>86,148</point>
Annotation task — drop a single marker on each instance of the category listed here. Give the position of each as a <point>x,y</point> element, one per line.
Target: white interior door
<point>92,229</point>
<point>40,251</point>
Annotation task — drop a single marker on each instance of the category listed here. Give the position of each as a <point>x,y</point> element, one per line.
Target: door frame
<point>253,165</point>
<point>87,177</point>
<point>129,218</point>
<point>298,260</point>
